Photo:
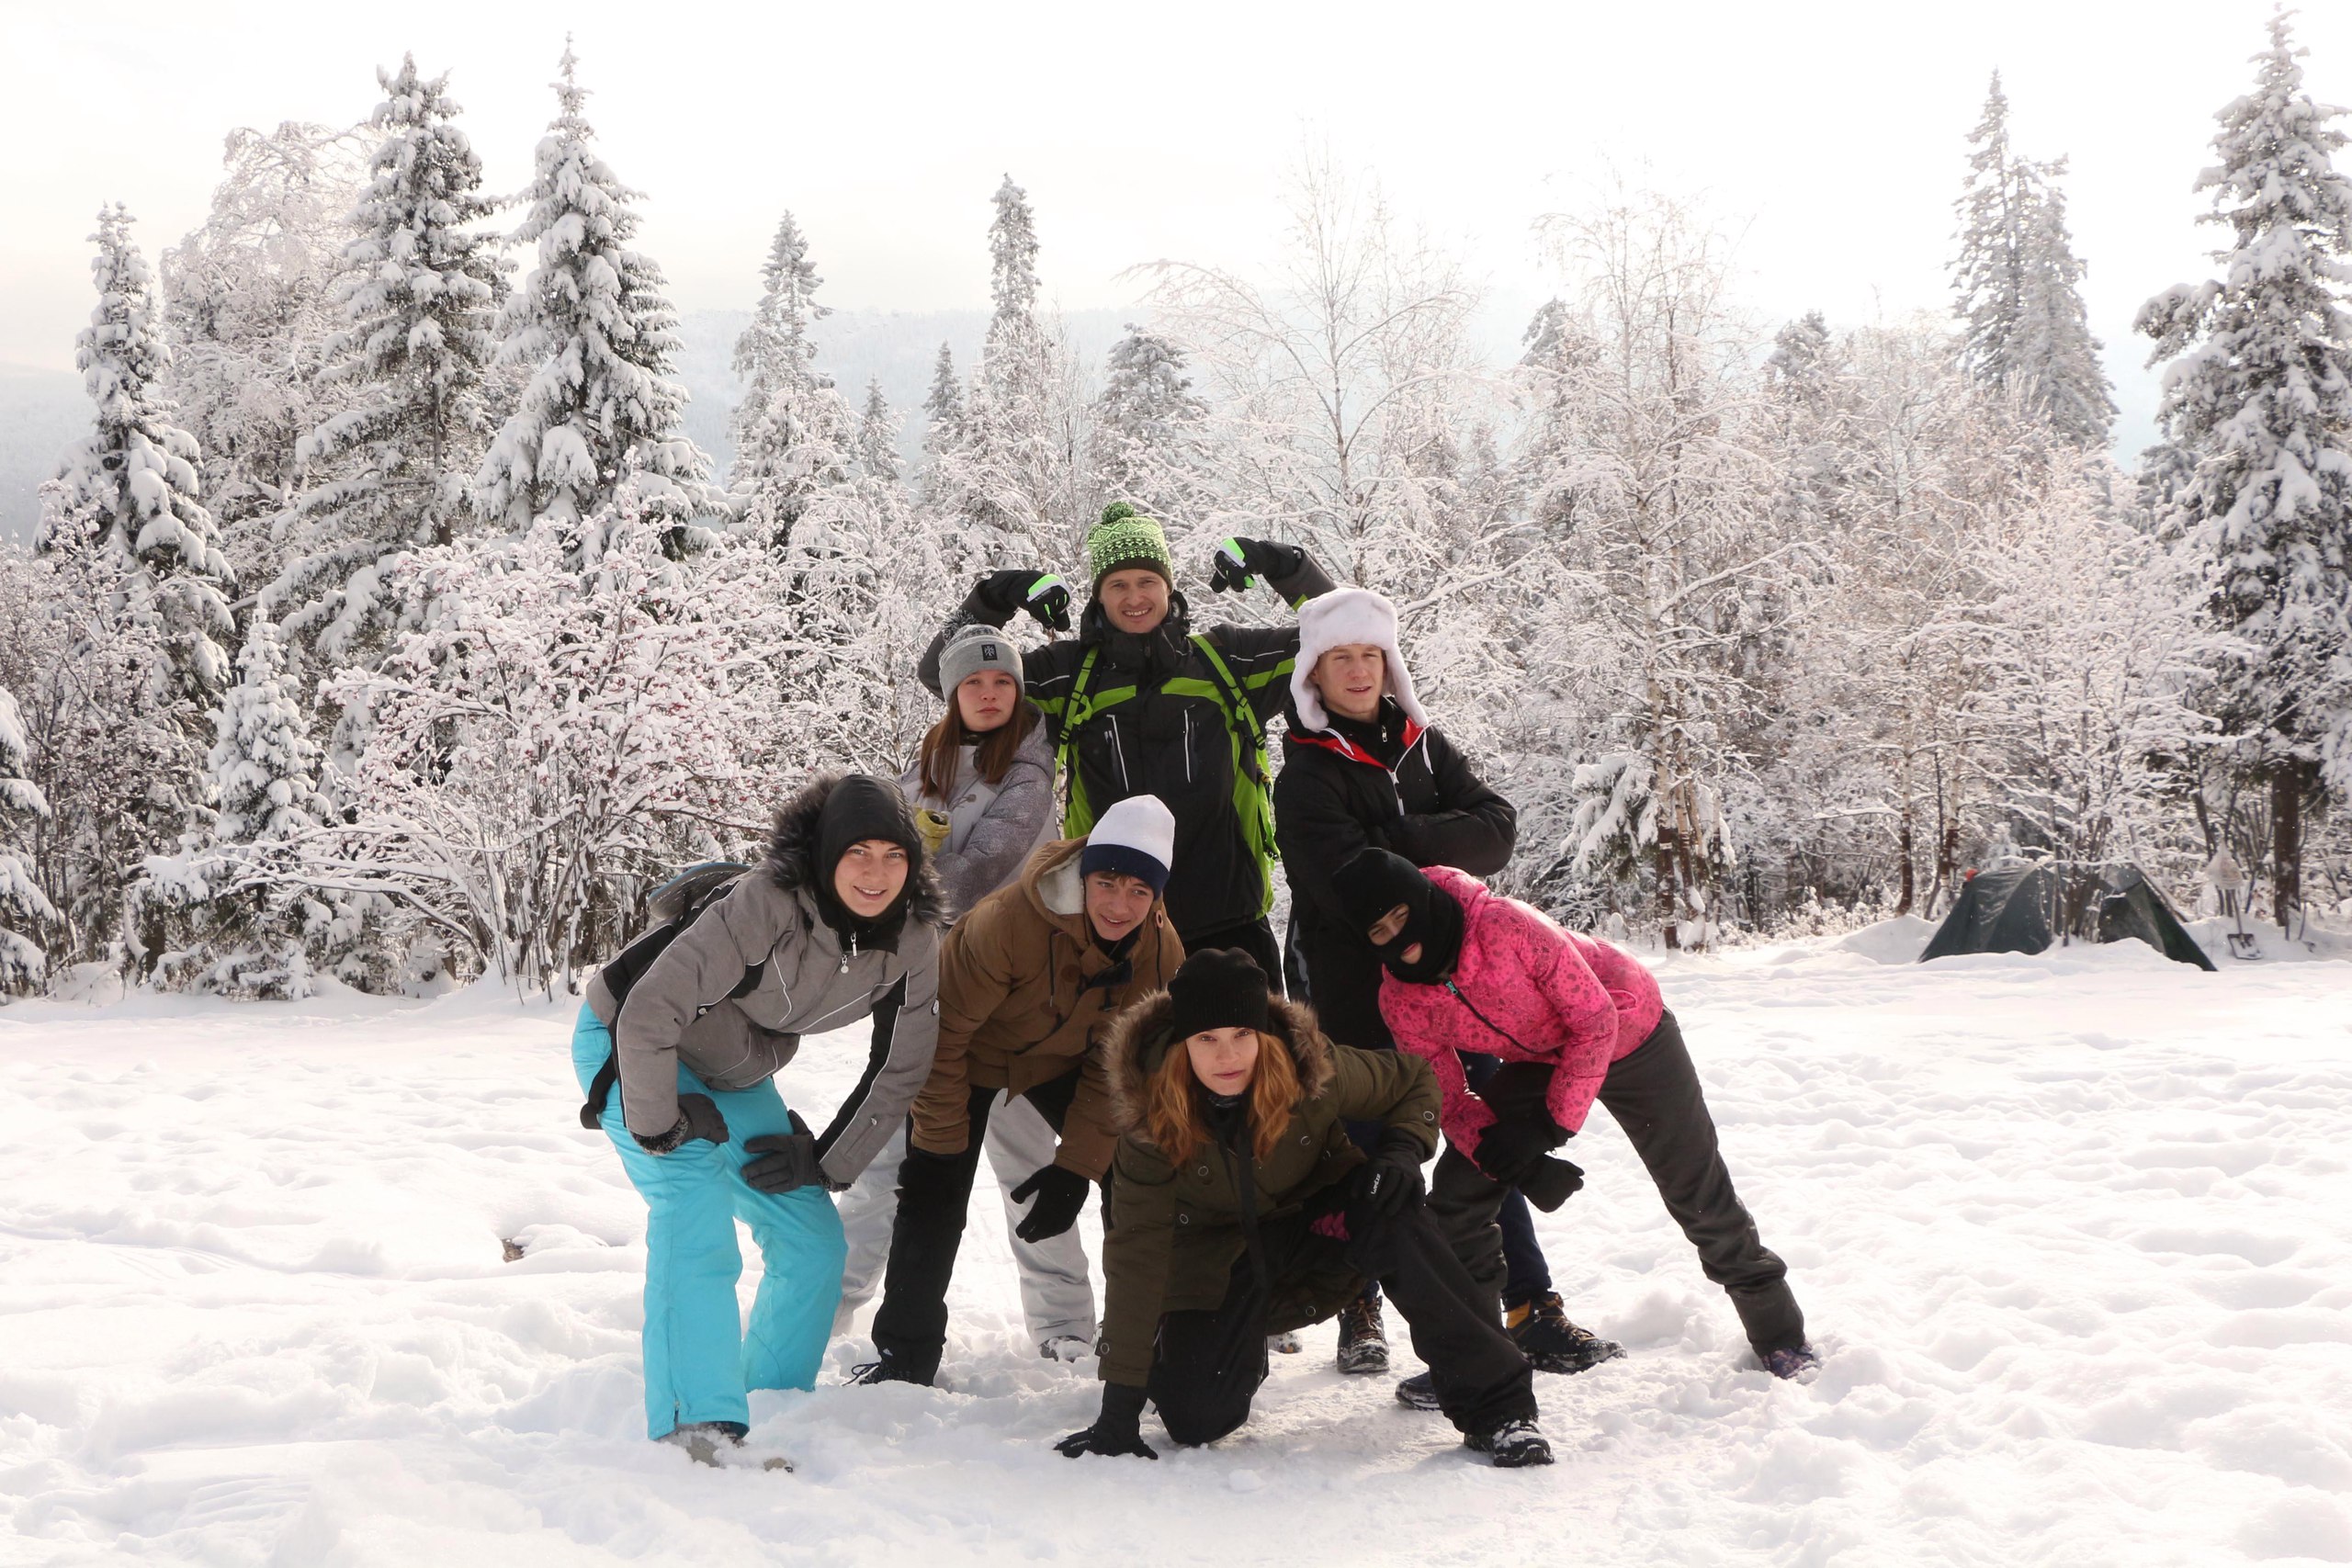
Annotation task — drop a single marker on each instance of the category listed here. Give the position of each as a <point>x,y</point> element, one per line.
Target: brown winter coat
<point>1015,1009</point>
<point>1176,1233</point>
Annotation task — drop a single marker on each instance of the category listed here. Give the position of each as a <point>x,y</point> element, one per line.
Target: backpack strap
<point>1076,815</point>
<point>1253,798</point>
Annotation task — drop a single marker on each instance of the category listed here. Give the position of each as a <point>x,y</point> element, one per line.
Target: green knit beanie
<point>1125,537</point>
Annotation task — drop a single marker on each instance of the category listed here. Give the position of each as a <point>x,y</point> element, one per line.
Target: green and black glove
<point>1044,596</point>
<point>1238,563</point>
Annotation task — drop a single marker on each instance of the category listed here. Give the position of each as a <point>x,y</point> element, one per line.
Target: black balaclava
<point>861,806</point>
<point>1371,882</point>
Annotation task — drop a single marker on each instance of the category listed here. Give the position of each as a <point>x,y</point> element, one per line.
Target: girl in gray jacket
<point>839,922</point>
<point>983,789</point>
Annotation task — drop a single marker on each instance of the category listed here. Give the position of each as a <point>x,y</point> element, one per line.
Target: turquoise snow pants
<point>699,1359</point>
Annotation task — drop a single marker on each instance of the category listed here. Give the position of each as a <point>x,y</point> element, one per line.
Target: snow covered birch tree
<point>591,322</point>
<point>250,315</point>
<point>418,302</point>
<point>2257,397</point>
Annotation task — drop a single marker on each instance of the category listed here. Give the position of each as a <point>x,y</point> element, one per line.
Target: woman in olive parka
<point>1221,1089</point>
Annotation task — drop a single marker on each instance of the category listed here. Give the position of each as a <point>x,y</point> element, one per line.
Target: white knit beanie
<point>1136,838</point>
<point>1336,619</point>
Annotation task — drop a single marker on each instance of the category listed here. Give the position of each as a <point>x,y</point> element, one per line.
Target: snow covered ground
<point>2075,1233</point>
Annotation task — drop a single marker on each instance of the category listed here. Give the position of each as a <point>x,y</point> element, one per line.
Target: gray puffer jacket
<point>992,827</point>
<point>731,996</point>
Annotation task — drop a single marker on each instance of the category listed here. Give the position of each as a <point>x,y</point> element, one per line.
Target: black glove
<point>1509,1148</point>
<point>787,1161</point>
<point>1547,1183</point>
<point>1061,1193</point>
<point>1391,1183</point>
<point>1240,562</point>
<point>1117,1430</point>
<point>1044,596</point>
<point>698,1118</point>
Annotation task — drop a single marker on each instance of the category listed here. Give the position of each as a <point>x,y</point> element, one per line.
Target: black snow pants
<point>1654,1094</point>
<point>935,1192</point>
<point>1207,1366</point>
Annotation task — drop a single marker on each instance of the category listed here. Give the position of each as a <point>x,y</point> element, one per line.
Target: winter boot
<point>1285,1343</point>
<point>1791,1363</point>
<point>886,1368</point>
<point>1066,1347</point>
<point>1551,1343</point>
<point>1418,1392</point>
<point>720,1445</point>
<point>1514,1444</point>
<point>1364,1343</point>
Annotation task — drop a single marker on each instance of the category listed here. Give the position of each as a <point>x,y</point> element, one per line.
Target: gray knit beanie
<point>972,650</point>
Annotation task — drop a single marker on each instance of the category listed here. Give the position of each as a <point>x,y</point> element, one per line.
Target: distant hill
<point>40,411</point>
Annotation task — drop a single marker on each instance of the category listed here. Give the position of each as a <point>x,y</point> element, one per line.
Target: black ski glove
<point>1509,1148</point>
<point>1547,1182</point>
<point>1117,1430</point>
<point>1240,562</point>
<point>698,1117</point>
<point>1060,1192</point>
<point>787,1161</point>
<point>1390,1183</point>
<point>1044,596</point>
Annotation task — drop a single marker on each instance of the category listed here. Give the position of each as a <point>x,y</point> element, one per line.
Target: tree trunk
<point>1903,840</point>
<point>2286,843</point>
<point>1670,901</point>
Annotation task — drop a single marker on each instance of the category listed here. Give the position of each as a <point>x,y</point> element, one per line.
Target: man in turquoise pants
<point>690,1023</point>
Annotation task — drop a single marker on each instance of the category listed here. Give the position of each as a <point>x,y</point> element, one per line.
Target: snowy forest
<point>385,626</point>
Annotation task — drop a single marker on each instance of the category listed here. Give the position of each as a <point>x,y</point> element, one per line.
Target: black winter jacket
<point>1169,736</point>
<point>1392,784</point>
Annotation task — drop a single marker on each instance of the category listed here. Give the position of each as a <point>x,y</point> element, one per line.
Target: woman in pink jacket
<point>1574,1021</point>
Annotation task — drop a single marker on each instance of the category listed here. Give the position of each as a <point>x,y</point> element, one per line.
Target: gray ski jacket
<point>991,828</point>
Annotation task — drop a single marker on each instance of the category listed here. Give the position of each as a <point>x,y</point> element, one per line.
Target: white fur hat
<point>1335,619</point>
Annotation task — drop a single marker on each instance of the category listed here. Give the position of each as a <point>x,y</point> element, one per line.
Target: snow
<point>2074,1232</point>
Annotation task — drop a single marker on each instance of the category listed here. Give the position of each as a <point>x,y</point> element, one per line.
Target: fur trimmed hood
<point>791,852</point>
<point>1137,1041</point>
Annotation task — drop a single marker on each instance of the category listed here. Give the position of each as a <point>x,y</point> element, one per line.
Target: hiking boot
<point>1285,1343</point>
<point>720,1445</point>
<point>1364,1343</point>
<point>885,1368</point>
<point>1551,1343</point>
<point>1514,1444</point>
<point>1418,1392</point>
<point>1791,1363</point>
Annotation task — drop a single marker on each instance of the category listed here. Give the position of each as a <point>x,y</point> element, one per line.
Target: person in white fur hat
<point>1361,767</point>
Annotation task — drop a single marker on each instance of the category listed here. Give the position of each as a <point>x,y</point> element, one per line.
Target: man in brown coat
<point>1027,982</point>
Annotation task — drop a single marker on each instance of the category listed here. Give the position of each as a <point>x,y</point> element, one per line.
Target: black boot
<point>1514,1444</point>
<point>1551,1343</point>
<point>887,1368</point>
<point>1363,1342</point>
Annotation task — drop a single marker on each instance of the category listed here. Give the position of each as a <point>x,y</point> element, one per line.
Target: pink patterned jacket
<point>1527,991</point>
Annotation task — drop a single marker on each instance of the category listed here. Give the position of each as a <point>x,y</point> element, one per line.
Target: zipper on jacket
<point>1187,745</point>
<point>1119,749</point>
<point>1481,1017</point>
<point>851,952</point>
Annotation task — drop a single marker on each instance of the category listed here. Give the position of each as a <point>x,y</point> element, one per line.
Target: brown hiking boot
<point>1551,1343</point>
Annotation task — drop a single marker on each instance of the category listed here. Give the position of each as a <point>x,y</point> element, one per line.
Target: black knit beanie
<point>860,806</point>
<point>1217,988</point>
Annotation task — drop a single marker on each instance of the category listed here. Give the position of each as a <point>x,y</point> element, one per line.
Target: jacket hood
<point>792,855</point>
<point>1139,1039</point>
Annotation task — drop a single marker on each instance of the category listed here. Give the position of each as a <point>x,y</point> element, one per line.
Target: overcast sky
<point>1829,135</point>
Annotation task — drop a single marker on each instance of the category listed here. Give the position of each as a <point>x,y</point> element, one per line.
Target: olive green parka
<point>1177,1232</point>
